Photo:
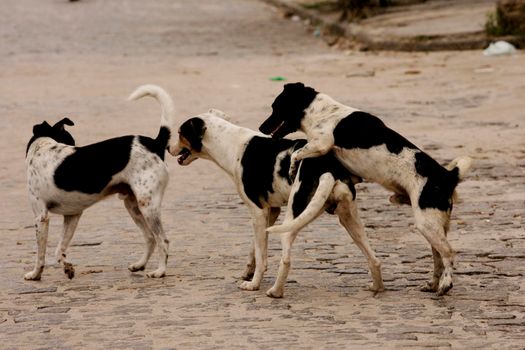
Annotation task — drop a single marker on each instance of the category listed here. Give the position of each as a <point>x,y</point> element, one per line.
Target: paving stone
<point>198,305</point>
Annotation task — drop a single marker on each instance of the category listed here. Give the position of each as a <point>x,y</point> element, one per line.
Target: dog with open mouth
<point>259,167</point>
<point>66,179</point>
<point>371,150</point>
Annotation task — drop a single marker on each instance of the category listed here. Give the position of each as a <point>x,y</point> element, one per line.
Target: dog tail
<point>312,210</point>
<point>168,110</point>
<point>463,164</point>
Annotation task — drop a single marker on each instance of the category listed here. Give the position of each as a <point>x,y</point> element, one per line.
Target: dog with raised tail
<point>65,179</point>
<point>371,150</point>
<point>259,167</point>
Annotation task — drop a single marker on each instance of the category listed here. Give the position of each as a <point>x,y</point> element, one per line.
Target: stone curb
<point>333,29</point>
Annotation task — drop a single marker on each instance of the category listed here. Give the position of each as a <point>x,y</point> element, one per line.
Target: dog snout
<point>175,149</point>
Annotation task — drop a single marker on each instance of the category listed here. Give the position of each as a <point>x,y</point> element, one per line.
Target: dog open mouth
<point>183,155</point>
<point>277,128</point>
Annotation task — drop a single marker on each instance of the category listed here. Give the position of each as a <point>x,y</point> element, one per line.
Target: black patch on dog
<point>57,132</point>
<point>309,174</point>
<point>91,167</point>
<point>284,166</point>
<point>258,164</point>
<point>363,130</point>
<point>193,130</point>
<point>440,185</point>
<point>157,145</point>
<point>288,109</point>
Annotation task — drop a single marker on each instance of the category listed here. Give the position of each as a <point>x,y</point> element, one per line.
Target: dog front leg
<point>42,227</point>
<point>70,225</point>
<point>247,275</point>
<point>250,266</point>
<point>260,220</point>
<point>314,148</point>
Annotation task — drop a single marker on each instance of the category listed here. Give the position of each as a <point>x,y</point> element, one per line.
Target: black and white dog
<point>65,180</point>
<point>371,150</point>
<point>259,167</point>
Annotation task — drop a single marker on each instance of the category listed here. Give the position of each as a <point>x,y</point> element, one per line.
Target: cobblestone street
<point>83,59</point>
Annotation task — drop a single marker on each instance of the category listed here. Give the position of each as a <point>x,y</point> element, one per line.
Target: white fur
<point>395,172</point>
<point>147,177</point>
<point>167,116</point>
<point>224,144</point>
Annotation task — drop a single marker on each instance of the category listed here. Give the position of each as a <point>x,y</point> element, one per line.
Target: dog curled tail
<point>168,111</point>
<point>463,165</point>
<point>312,210</point>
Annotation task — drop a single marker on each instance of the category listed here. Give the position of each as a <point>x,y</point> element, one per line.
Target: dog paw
<point>156,274</point>
<point>69,270</point>
<point>249,285</point>
<point>33,275</point>
<point>136,267</point>
<point>445,284</point>
<point>376,288</point>
<point>275,292</point>
<point>445,289</point>
<point>429,287</point>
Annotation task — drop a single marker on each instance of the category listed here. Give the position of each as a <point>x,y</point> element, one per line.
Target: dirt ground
<point>82,59</point>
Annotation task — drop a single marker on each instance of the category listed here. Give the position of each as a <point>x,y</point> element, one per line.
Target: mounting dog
<point>371,150</point>
<point>259,167</point>
<point>66,180</point>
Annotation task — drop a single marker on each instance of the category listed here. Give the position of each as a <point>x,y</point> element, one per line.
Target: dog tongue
<point>277,128</point>
<point>183,156</point>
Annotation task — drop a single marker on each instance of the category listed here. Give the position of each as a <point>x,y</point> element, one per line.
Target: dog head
<point>288,110</point>
<point>189,143</point>
<point>57,132</point>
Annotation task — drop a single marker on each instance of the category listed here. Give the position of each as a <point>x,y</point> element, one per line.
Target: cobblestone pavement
<point>83,58</point>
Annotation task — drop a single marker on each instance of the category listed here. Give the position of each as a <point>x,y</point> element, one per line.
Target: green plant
<point>492,26</point>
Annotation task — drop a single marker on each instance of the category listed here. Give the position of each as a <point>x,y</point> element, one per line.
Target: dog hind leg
<point>348,217</point>
<point>432,285</point>
<point>431,223</point>
<point>130,202</point>
<point>287,240</point>
<point>42,227</point>
<point>70,225</point>
<point>152,217</point>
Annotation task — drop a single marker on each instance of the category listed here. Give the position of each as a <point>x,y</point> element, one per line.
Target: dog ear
<point>193,131</point>
<point>199,127</point>
<point>65,121</point>
<point>297,85</point>
<point>39,129</point>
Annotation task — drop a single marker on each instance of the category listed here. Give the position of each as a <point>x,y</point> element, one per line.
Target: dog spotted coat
<point>259,167</point>
<point>371,150</point>
<point>65,179</point>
